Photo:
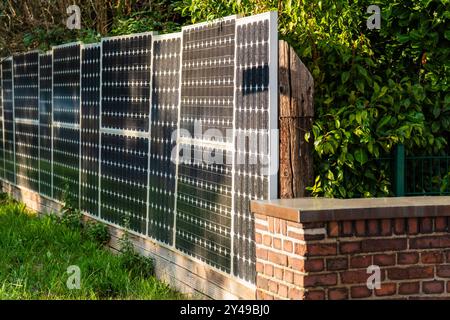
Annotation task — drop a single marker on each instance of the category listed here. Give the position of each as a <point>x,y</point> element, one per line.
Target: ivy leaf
<point>361,156</point>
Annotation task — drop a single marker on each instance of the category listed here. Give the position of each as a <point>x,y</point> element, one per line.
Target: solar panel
<point>90,110</point>
<point>26,117</point>
<point>2,154</point>
<point>8,120</point>
<point>125,109</point>
<point>66,128</point>
<point>255,114</point>
<point>204,203</point>
<point>45,123</point>
<point>164,122</point>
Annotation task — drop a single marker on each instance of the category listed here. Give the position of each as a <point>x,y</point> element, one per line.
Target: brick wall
<point>329,260</point>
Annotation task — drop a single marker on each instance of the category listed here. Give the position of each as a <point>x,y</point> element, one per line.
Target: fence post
<point>399,170</point>
<point>296,91</point>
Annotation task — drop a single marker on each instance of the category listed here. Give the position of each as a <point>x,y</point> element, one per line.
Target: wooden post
<point>296,92</point>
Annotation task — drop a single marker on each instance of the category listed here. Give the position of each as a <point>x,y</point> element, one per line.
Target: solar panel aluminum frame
<point>2,119</point>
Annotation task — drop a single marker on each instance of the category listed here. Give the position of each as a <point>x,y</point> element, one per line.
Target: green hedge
<point>373,88</point>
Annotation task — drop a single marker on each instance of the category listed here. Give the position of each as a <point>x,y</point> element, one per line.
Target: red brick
<point>276,225</point>
<point>409,287</point>
<point>261,253</point>
<point>338,294</point>
<point>273,286</point>
<point>431,257</point>
<point>325,279</point>
<point>333,228</point>
<point>288,246</point>
<point>261,295</point>
<point>283,290</point>
<point>283,227</point>
<point>372,226</point>
<point>296,235</point>
<point>277,258</point>
<point>299,280</point>
<point>433,286</point>
<point>296,263</point>
<point>386,227</point>
<point>350,247</point>
<point>315,295</point>
<point>259,267</point>
<point>314,265</point>
<point>313,225</point>
<point>260,227</point>
<point>354,276</point>
<point>360,227</point>
<point>410,273</point>
<point>262,283</point>
<point>407,257</point>
<point>347,228</point>
<point>278,273</point>
<point>299,249</point>
<point>321,249</point>
<point>277,243</point>
<point>399,226</point>
<point>295,294</point>
<point>311,237</point>
<point>268,270</point>
<point>337,264</point>
<point>267,240</point>
<point>360,261</point>
<point>374,245</point>
<point>387,289</point>
<point>258,238</point>
<point>360,292</point>
<point>270,220</point>
<point>443,271</point>
<point>441,224</point>
<point>413,226</point>
<point>447,253</point>
<point>426,225</point>
<point>442,241</point>
<point>384,259</point>
<point>288,276</point>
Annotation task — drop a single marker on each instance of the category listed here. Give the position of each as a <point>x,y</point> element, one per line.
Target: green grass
<point>35,252</point>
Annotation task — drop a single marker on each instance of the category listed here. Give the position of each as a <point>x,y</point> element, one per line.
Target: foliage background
<point>373,88</point>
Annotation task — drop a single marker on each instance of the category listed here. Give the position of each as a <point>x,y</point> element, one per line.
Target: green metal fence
<point>420,175</point>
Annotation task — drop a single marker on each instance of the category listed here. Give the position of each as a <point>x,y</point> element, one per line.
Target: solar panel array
<point>166,135</point>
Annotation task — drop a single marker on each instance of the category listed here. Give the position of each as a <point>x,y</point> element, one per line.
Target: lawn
<point>36,251</point>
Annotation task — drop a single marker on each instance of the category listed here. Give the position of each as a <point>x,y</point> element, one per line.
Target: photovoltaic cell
<point>66,129</point>
<point>45,123</point>
<point>164,122</point>
<point>26,117</point>
<point>253,114</point>
<point>204,203</point>
<point>126,66</point>
<point>8,120</point>
<point>90,110</point>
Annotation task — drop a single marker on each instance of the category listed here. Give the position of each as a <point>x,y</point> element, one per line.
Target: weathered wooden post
<point>296,92</point>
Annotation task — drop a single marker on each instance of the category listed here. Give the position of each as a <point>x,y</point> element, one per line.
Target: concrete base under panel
<point>181,272</point>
